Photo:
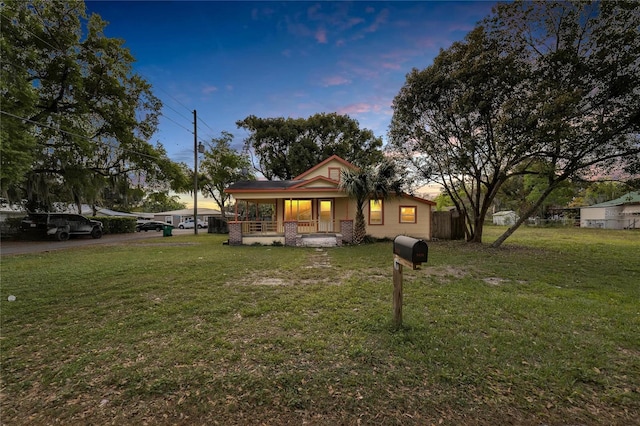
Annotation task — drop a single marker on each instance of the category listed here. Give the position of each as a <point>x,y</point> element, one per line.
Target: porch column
<point>290,233</point>
<point>346,229</point>
<point>235,233</point>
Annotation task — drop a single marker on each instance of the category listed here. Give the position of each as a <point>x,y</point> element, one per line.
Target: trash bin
<point>166,231</point>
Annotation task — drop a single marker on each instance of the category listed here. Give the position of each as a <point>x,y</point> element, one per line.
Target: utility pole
<point>195,173</point>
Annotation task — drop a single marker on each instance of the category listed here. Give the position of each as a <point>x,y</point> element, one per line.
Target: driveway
<point>26,247</point>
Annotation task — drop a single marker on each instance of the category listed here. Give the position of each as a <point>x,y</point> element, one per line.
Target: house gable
<point>329,168</point>
<point>316,182</point>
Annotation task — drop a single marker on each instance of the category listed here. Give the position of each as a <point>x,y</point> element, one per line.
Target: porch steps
<point>317,240</point>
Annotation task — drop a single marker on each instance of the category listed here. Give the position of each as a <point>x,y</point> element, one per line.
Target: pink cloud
<point>359,108</point>
<point>321,36</point>
<point>381,18</point>
<point>335,81</point>
<point>390,66</point>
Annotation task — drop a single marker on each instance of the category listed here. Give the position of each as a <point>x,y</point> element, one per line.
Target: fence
<point>447,225</point>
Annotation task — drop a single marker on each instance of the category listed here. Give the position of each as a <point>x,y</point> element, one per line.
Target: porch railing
<point>261,227</point>
<point>304,227</point>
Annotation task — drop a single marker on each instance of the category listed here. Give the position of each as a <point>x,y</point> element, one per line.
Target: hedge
<point>117,224</point>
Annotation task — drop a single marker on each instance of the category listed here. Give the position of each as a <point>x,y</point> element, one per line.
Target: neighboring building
<point>174,217</point>
<point>313,206</point>
<point>621,213</point>
<point>505,218</point>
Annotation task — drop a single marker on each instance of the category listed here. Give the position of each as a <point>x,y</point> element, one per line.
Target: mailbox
<point>411,250</point>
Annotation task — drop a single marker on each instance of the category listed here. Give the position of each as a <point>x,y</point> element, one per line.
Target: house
<point>313,207</point>
<point>174,217</point>
<point>621,213</point>
<point>505,217</point>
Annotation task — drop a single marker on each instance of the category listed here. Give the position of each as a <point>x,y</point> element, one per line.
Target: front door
<point>325,216</point>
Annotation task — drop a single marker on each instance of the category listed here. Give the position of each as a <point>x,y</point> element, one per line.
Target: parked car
<point>188,224</point>
<point>61,225</point>
<point>150,225</point>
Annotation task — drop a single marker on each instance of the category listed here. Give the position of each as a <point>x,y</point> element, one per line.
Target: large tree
<point>221,167</point>
<point>76,118</point>
<point>574,105</point>
<point>287,147</point>
<point>451,124</point>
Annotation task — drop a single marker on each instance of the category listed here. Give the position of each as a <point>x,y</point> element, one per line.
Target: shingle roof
<point>262,184</point>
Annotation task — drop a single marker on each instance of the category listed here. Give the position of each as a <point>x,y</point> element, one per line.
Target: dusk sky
<point>228,60</point>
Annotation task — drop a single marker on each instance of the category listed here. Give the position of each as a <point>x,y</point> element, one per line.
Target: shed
<point>505,218</point>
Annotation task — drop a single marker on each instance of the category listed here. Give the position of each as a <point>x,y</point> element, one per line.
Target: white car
<point>188,224</point>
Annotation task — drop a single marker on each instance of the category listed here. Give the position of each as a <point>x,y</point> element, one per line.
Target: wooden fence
<point>447,225</point>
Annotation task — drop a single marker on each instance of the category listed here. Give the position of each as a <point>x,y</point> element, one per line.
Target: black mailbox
<point>410,249</point>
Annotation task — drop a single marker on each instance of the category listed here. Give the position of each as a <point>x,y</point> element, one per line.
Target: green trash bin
<point>166,231</point>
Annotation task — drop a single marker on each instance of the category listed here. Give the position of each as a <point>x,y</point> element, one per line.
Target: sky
<point>231,59</point>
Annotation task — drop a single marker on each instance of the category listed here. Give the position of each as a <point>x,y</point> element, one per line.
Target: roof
<point>251,185</point>
<point>504,213</point>
<point>202,211</point>
<point>628,198</point>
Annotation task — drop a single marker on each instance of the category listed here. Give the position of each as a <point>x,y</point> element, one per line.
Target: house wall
<point>392,227</point>
<point>601,217</point>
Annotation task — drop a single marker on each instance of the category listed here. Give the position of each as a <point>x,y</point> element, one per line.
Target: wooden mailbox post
<point>409,252</point>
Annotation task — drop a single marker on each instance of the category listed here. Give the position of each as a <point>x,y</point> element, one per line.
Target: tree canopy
<point>221,167</point>
<point>287,147</point>
<point>549,89</point>
<point>76,117</point>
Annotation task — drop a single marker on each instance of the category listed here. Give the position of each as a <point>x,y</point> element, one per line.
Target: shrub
<point>117,224</point>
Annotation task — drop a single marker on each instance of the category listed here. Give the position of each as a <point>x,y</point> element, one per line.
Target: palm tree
<point>361,184</point>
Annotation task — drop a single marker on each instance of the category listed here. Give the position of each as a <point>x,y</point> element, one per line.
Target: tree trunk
<point>476,236</point>
<point>359,230</point>
<point>497,243</point>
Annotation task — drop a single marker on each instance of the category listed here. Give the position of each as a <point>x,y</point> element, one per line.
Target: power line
<point>21,26</point>
<point>137,71</point>
<point>142,154</point>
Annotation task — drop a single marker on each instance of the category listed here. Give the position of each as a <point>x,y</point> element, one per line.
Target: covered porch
<point>291,222</point>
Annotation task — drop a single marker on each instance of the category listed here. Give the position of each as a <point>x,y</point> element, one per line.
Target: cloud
<point>321,36</point>
<point>359,108</point>
<point>381,18</point>
<point>207,90</point>
<point>335,81</point>
<point>390,66</point>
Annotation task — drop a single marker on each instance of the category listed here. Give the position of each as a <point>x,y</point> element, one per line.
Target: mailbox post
<point>409,252</point>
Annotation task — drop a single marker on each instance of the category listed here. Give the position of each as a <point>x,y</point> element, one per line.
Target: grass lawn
<point>184,330</point>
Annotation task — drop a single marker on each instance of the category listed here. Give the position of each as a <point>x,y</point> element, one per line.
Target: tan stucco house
<point>312,206</point>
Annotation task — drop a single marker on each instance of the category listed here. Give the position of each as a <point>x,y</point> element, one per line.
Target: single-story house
<point>505,217</point>
<point>174,217</point>
<point>621,213</point>
<point>313,206</point>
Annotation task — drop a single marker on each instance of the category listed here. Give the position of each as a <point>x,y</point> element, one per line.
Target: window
<point>375,212</point>
<point>408,214</point>
<point>297,210</point>
<point>334,173</point>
